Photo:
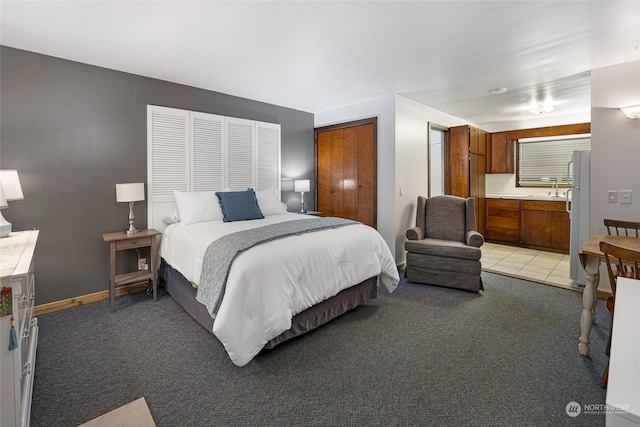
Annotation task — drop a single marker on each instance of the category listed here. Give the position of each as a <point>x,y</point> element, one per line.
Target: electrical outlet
<point>612,196</point>
<point>142,264</point>
<point>625,196</point>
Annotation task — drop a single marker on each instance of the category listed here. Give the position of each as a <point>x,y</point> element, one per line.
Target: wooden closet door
<point>346,172</point>
<point>323,173</point>
<point>367,157</point>
<point>336,174</point>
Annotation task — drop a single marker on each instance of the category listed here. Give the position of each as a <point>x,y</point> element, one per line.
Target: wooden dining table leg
<point>591,265</point>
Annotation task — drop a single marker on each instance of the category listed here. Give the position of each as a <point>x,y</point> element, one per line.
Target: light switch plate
<point>625,196</point>
<point>612,196</point>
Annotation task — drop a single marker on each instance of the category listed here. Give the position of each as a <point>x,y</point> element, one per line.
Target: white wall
<point>615,146</point>
<point>411,164</point>
<point>384,109</point>
<point>615,142</point>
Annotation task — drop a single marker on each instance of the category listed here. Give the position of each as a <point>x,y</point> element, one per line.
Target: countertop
<point>560,198</point>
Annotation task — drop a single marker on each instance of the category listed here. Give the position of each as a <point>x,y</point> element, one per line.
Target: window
<point>543,161</point>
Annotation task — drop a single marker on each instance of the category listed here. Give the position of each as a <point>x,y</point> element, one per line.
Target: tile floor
<point>538,266</point>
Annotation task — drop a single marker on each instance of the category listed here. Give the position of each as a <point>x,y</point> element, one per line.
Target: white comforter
<point>272,282</point>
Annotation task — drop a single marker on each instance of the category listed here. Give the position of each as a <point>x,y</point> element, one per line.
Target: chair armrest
<point>474,239</point>
<point>415,233</point>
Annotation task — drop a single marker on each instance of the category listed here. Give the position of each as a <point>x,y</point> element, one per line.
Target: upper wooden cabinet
<point>500,153</point>
<point>466,166</point>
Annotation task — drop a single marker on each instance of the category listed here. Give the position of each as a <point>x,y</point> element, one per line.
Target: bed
<point>275,289</point>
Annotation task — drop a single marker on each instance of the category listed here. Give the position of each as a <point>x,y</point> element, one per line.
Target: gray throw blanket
<point>221,253</point>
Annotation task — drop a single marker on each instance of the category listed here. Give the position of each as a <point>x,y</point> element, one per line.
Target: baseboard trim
<point>53,307</point>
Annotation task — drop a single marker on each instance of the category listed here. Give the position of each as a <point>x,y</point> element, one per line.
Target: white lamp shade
<point>132,192</point>
<point>11,185</point>
<point>301,185</point>
<point>3,200</point>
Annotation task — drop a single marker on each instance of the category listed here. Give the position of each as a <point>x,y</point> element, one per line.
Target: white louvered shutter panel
<point>168,151</point>
<point>240,153</point>
<point>207,133</point>
<point>268,156</point>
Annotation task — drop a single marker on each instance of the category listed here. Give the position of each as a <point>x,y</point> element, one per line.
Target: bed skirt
<point>184,294</point>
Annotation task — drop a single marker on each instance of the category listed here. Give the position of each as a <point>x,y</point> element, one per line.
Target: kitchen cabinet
<point>503,220</point>
<point>500,153</point>
<point>535,228</point>
<point>539,224</point>
<point>560,231</point>
<point>466,166</point>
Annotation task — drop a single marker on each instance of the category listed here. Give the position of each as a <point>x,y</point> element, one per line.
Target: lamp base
<point>130,231</point>
<point>302,209</point>
<point>5,227</point>
<point>132,228</point>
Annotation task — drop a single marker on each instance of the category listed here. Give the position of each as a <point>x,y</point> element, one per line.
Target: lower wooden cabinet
<point>538,224</point>
<point>503,220</point>
<point>560,231</point>
<point>535,228</point>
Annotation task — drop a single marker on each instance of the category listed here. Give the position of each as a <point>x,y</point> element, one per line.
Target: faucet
<point>554,184</point>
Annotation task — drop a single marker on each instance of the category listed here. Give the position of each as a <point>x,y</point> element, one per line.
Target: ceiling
<point>316,56</point>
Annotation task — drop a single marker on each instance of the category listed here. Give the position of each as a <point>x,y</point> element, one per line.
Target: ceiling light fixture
<point>541,109</point>
<point>631,111</point>
<point>497,91</point>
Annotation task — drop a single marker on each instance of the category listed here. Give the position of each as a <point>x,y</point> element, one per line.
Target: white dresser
<point>17,366</point>
<point>623,387</point>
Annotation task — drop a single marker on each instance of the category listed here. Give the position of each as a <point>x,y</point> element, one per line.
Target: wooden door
<point>346,171</point>
<point>458,169</point>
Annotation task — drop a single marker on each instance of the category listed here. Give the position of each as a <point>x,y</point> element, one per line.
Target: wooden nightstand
<point>120,241</point>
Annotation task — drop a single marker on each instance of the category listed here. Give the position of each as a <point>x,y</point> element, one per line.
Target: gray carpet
<point>423,355</point>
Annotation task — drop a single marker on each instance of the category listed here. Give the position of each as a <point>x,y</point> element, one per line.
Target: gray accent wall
<point>73,131</point>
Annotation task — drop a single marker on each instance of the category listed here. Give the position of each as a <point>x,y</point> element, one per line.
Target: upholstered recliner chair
<point>444,246</point>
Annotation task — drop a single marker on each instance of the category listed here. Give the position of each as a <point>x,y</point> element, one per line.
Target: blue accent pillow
<point>239,205</point>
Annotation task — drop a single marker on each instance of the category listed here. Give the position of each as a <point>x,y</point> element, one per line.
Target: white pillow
<point>269,202</point>
<point>198,206</point>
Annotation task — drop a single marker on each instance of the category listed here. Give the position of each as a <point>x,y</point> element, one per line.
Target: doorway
<point>438,135</point>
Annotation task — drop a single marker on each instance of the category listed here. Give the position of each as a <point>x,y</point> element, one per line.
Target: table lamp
<point>10,190</point>
<point>301,185</point>
<point>131,192</point>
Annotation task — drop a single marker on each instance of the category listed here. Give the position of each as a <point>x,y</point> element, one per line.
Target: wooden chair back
<point>621,262</point>
<point>622,228</point>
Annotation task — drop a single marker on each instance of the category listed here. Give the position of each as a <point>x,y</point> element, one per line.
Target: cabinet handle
<point>26,369</point>
<point>134,241</point>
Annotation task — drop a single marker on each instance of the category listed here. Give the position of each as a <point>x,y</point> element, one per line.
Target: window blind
<point>543,161</point>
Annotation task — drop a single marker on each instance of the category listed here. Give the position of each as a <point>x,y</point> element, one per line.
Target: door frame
<point>445,155</point>
<point>367,121</point>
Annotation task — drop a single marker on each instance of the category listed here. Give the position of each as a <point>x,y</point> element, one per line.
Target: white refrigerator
<point>579,207</point>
